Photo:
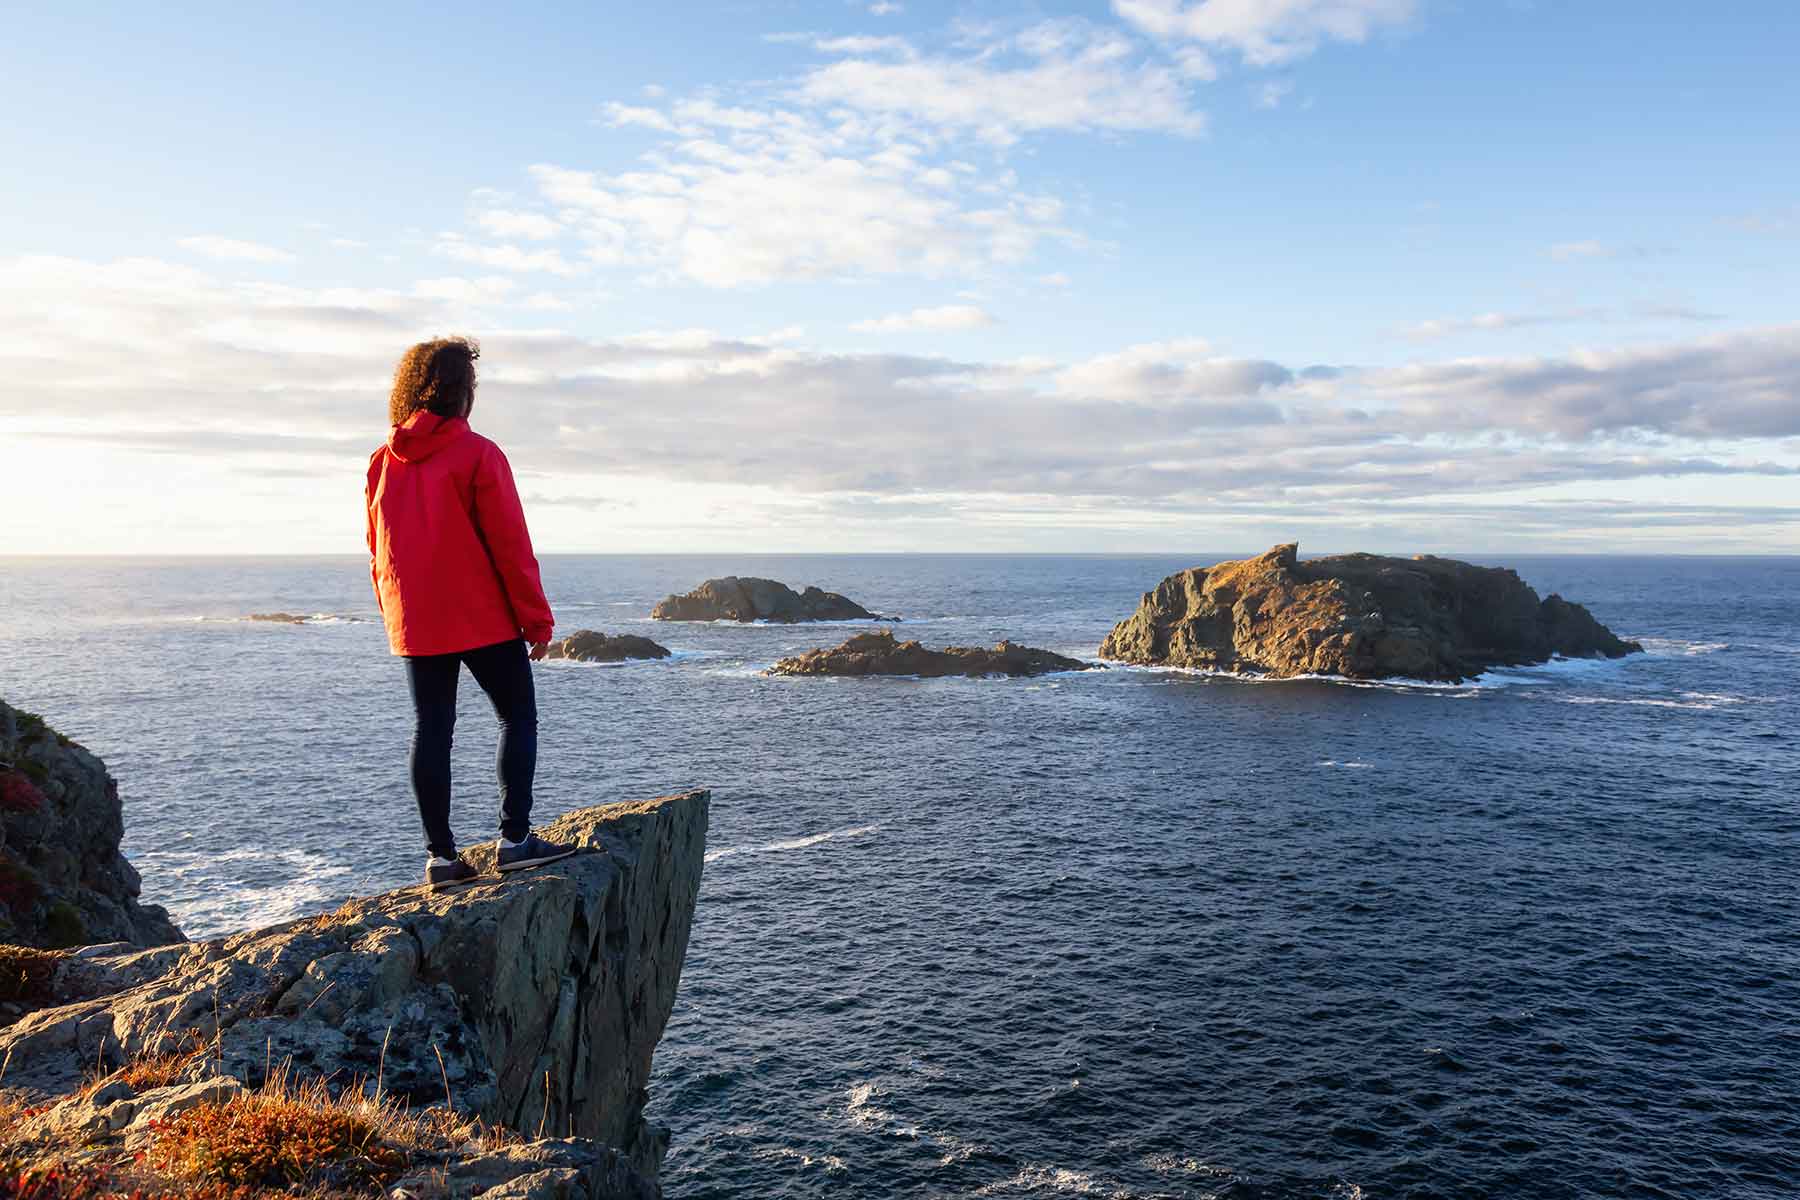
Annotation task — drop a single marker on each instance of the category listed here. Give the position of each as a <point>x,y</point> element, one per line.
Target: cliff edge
<point>63,881</point>
<point>1360,616</point>
<point>532,1002</point>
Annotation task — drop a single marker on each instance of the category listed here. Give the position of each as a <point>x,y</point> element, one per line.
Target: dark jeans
<point>504,673</point>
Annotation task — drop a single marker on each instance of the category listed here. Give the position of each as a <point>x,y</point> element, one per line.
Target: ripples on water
<point>1133,933</point>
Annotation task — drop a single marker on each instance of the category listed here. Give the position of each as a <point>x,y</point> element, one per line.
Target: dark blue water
<point>1130,933</point>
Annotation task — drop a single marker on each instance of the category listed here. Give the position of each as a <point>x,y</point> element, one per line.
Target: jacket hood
<point>424,434</point>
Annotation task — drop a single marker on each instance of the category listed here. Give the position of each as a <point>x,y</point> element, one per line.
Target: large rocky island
<point>492,1041</point>
<point>735,598</point>
<point>878,653</point>
<point>1359,616</point>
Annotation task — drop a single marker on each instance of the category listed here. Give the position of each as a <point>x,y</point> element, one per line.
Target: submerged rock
<point>279,618</point>
<point>63,881</point>
<point>585,645</point>
<point>532,1000</point>
<point>878,653</point>
<point>748,599</point>
<point>1361,616</point>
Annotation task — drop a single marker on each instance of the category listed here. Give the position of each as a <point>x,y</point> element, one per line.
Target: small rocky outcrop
<point>63,881</point>
<point>878,653</point>
<point>532,1001</point>
<point>747,599</point>
<point>1360,616</point>
<point>585,645</point>
<point>278,618</point>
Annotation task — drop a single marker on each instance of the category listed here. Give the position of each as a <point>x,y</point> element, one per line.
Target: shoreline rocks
<point>746,599</point>
<point>1359,616</point>
<point>879,653</point>
<point>586,645</point>
<point>63,881</point>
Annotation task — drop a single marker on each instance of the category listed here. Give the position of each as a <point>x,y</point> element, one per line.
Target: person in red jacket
<point>457,583</point>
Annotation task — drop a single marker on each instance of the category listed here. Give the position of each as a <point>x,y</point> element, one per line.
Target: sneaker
<point>441,873</point>
<point>534,851</point>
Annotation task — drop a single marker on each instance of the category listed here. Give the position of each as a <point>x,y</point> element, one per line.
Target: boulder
<point>584,645</point>
<point>63,881</point>
<point>878,653</point>
<point>747,599</point>
<point>1359,616</point>
<point>532,1001</point>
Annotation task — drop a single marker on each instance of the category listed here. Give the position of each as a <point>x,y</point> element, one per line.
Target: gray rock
<point>532,1000</point>
<point>746,598</point>
<point>63,881</point>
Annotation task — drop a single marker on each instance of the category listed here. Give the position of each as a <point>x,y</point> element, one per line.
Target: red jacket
<point>451,558</point>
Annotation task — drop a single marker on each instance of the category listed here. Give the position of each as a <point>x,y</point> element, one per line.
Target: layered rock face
<point>532,1000</point>
<point>1361,616</point>
<point>878,653</point>
<point>585,645</point>
<point>63,881</point>
<point>747,599</point>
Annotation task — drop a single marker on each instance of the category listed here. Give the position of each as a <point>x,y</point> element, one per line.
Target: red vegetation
<point>18,794</point>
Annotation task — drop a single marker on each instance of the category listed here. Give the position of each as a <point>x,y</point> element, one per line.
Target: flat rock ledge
<point>746,599</point>
<point>585,645</point>
<point>878,653</point>
<point>544,992</point>
<point>1358,616</point>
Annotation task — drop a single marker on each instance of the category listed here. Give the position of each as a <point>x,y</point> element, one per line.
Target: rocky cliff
<point>879,653</point>
<point>532,1002</point>
<point>63,881</point>
<point>750,599</point>
<point>1361,616</point>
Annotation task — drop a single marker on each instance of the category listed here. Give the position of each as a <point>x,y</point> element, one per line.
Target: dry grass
<point>283,1136</point>
<point>156,1069</point>
<point>25,973</point>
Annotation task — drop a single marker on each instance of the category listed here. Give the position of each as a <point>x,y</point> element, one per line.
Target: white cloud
<point>504,223</point>
<point>505,257</point>
<point>1054,76</point>
<point>947,317</point>
<point>233,250</point>
<point>1493,322</point>
<point>1273,92</point>
<point>487,290</point>
<point>1564,251</point>
<point>885,8</point>
<point>1263,32</point>
<point>160,358</point>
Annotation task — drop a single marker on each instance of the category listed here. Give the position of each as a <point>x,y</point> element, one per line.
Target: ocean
<point>1125,933</point>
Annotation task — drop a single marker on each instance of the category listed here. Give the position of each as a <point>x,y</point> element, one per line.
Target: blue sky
<point>1384,274</point>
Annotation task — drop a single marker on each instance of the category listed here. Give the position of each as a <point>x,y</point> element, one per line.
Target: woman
<point>457,584</point>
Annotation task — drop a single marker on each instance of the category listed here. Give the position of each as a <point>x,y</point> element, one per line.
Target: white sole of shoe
<point>533,862</point>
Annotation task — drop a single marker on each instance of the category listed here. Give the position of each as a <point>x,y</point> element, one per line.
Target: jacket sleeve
<point>369,514</point>
<point>500,519</point>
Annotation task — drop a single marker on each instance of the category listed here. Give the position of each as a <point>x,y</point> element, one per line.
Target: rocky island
<point>748,599</point>
<point>878,653</point>
<point>1359,616</point>
<point>492,1041</point>
<point>585,645</point>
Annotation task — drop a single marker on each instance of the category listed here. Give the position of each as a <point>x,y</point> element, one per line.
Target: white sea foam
<point>1707,704</point>
<point>831,1163</point>
<point>863,1111</point>
<point>1347,766</point>
<point>1666,647</point>
<point>800,843</point>
<point>1037,1180</point>
<point>674,656</point>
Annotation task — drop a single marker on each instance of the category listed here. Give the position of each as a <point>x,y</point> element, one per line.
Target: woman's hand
<point>538,650</point>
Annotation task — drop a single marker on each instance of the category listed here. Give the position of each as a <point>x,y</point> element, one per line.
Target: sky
<point>1442,276</point>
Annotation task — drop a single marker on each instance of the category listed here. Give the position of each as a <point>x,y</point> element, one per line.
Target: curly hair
<point>438,376</point>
